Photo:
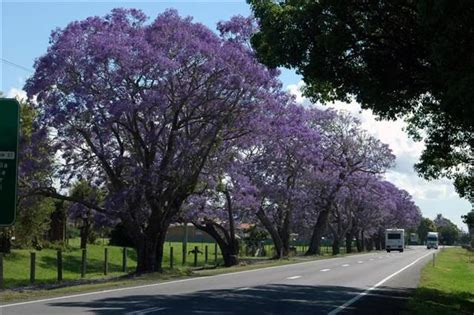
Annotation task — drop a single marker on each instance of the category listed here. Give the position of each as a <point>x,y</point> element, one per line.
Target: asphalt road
<point>373,283</point>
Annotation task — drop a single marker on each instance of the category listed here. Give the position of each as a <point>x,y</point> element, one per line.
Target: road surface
<point>372,283</point>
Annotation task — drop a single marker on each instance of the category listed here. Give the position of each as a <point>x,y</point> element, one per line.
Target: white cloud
<point>17,93</point>
<point>427,194</point>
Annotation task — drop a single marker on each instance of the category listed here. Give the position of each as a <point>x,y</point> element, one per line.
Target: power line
<point>16,65</point>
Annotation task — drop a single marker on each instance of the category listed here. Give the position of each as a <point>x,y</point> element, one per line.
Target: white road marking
<point>371,259</point>
<point>146,310</point>
<point>324,270</point>
<point>345,265</point>
<point>242,289</point>
<point>357,297</point>
<point>293,277</point>
<point>360,262</point>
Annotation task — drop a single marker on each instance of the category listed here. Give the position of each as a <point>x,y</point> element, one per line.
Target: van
<point>394,240</point>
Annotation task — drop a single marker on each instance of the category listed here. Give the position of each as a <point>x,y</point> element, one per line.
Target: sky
<point>25,30</point>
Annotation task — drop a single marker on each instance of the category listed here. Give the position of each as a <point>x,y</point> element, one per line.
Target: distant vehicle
<point>432,240</point>
<point>394,240</point>
<point>414,238</point>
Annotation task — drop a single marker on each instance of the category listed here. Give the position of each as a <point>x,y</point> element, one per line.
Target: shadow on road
<point>269,299</point>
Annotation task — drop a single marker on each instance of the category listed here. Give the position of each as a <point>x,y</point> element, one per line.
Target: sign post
<point>9,131</point>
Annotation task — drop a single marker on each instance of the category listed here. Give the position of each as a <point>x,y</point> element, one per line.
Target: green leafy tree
<point>88,219</point>
<point>426,225</point>
<point>406,58</point>
<point>448,231</point>
<point>469,219</point>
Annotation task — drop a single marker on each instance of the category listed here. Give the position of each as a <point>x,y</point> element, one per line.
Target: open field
<point>448,287</point>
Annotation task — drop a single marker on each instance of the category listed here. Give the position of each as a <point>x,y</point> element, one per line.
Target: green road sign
<point>9,124</point>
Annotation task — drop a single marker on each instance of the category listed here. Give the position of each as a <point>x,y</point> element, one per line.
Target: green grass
<point>448,287</point>
<point>17,265</point>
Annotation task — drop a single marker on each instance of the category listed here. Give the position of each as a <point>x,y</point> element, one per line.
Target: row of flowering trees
<point>172,122</point>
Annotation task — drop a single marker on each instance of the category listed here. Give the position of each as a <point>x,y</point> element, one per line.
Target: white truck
<point>394,240</point>
<point>432,240</point>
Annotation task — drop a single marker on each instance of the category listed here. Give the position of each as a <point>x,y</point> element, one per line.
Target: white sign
<point>7,155</point>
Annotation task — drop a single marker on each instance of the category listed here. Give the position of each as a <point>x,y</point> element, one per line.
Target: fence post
<point>106,264</point>
<point>32,267</point>
<point>185,242</point>
<point>171,257</point>
<point>195,256</point>
<point>433,259</point>
<point>83,263</point>
<point>205,254</point>
<point>1,271</point>
<point>124,260</point>
<point>215,254</point>
<point>59,262</point>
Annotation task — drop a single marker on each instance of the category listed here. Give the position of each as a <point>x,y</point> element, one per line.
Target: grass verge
<point>447,287</point>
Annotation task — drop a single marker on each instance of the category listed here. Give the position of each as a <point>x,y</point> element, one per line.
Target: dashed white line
<point>360,262</point>
<point>345,265</point>
<point>371,259</point>
<point>242,289</point>
<point>293,277</point>
<point>324,270</point>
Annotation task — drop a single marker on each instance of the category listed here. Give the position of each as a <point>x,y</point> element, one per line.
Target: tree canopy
<point>410,59</point>
<point>164,122</point>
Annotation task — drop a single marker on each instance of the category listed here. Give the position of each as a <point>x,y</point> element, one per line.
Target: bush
<point>73,232</point>
<point>119,237</point>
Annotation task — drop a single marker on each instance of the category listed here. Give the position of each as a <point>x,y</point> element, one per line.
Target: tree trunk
<point>370,244</point>
<point>382,240</point>
<point>229,249</point>
<point>336,244</point>
<point>57,231</point>
<point>85,230</point>
<point>349,237</point>
<point>319,229</point>
<point>361,242</point>
<point>159,249</point>
<point>277,241</point>
<point>230,253</point>
<point>377,243</point>
<point>5,242</point>
<point>146,254</point>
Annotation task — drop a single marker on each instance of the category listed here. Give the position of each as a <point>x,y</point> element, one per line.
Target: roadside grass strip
<point>448,286</point>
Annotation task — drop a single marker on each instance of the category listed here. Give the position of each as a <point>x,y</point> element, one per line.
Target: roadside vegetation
<point>447,287</point>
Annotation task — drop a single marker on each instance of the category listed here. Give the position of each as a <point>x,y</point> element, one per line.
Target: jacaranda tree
<point>137,109</point>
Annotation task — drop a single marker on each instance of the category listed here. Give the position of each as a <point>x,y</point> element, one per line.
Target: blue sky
<point>25,30</point>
